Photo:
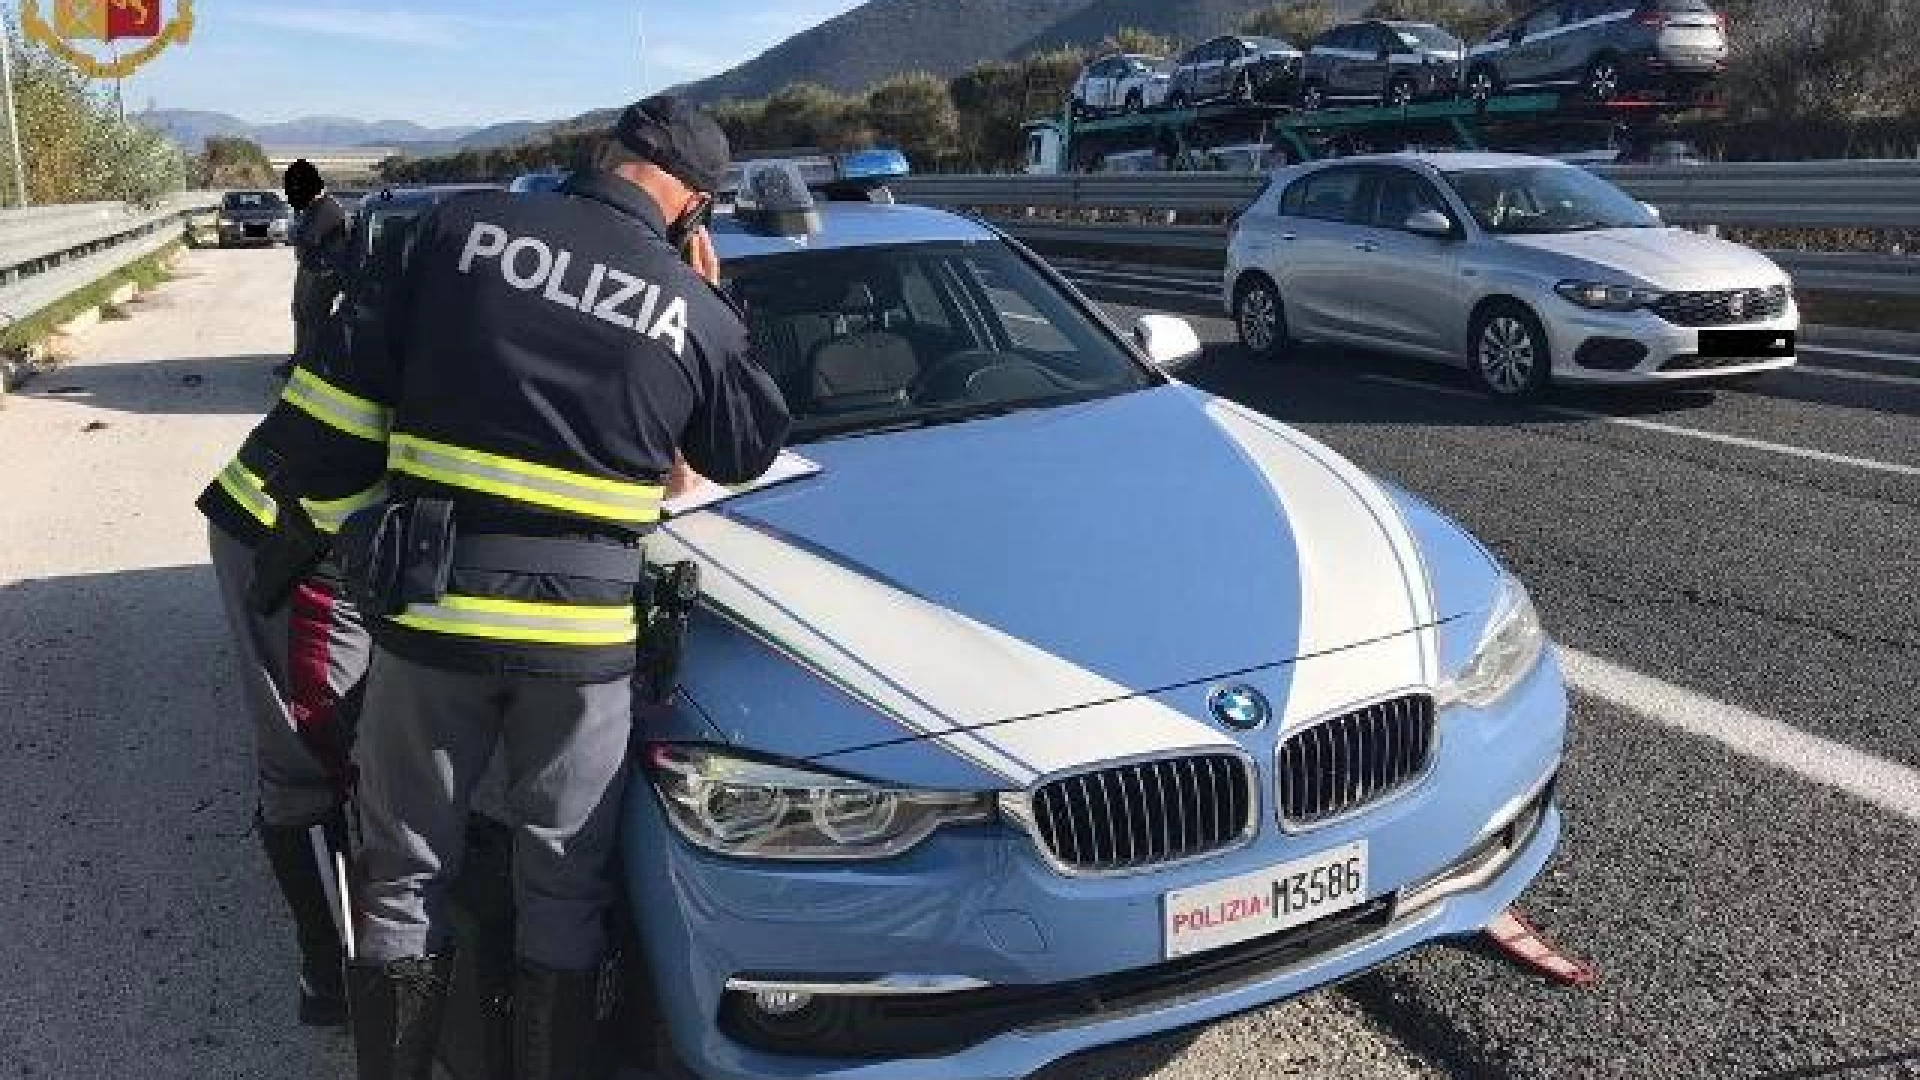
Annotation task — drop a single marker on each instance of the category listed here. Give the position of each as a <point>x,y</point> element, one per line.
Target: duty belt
<point>536,622</point>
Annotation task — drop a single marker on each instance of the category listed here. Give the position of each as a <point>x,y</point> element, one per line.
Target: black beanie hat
<point>303,183</point>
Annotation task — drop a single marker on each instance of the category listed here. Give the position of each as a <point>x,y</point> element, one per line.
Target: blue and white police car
<point>1037,701</point>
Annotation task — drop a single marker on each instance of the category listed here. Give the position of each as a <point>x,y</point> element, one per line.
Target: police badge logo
<point>77,21</point>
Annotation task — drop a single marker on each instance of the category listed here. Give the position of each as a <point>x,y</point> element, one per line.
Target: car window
<point>1327,195</point>
<point>1533,199</point>
<point>1541,21</point>
<point>1399,194</point>
<point>880,338</point>
<point>254,200</point>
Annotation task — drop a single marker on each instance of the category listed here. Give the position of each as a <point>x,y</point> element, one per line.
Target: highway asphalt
<point>1733,574</point>
<point>1747,919</point>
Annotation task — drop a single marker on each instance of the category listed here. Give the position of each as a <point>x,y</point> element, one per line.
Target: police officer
<point>318,456</point>
<point>552,354</point>
<point>320,245</point>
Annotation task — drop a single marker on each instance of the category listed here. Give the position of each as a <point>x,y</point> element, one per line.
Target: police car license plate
<point>1223,913</point>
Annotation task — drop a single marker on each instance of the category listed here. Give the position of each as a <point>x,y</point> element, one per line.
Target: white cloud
<point>387,27</point>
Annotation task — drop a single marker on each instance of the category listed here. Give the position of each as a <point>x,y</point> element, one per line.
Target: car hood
<point>968,575</point>
<point>1661,258</point>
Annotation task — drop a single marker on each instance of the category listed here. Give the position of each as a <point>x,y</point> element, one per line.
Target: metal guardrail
<point>50,252</point>
<point>1813,194</point>
<point>1864,194</point>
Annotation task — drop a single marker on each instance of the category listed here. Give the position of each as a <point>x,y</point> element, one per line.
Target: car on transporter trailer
<point>1525,270</point>
<point>996,739</point>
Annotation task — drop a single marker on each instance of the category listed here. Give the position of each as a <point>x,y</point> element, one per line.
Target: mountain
<point>191,129</point>
<point>486,138</point>
<point>885,37</point>
<point>1189,22</point>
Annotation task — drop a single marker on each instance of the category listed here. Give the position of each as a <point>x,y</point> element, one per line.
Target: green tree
<point>1471,20</point>
<point>988,98</point>
<point>233,162</point>
<point>1300,22</point>
<point>76,145</point>
<point>915,113</point>
<point>1132,39</point>
<point>806,115</point>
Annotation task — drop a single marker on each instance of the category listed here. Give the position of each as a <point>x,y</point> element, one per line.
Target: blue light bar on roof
<point>873,166</point>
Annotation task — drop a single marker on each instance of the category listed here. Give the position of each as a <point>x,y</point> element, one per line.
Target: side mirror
<point>1652,209</point>
<point>1168,341</point>
<point>1429,223</point>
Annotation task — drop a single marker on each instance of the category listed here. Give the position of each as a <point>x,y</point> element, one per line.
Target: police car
<point>1037,701</point>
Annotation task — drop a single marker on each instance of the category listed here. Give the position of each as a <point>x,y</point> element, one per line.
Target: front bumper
<point>252,233</point>
<point>1588,345</point>
<point>1003,965</point>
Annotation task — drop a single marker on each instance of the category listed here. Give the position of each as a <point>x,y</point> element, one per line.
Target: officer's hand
<point>681,478</point>
<point>701,256</point>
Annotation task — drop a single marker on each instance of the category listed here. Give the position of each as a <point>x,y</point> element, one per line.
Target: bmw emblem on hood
<point>1240,707</point>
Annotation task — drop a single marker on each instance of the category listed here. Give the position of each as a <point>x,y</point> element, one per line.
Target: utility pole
<point>13,114</point>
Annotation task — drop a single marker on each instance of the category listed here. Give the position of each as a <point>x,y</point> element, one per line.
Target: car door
<point>1114,83</point>
<point>1365,72</point>
<point>1532,59</point>
<point>1212,57</point>
<point>1406,286</point>
<point>1316,251</point>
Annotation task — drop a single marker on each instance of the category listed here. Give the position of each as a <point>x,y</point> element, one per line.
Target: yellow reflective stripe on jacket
<point>250,492</point>
<point>330,515</point>
<point>335,407</point>
<point>519,620</point>
<point>524,482</point>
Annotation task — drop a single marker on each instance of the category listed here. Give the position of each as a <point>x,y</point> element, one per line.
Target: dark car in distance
<point>254,217</point>
<point>1236,66</point>
<point>1605,48</point>
<point>1380,61</point>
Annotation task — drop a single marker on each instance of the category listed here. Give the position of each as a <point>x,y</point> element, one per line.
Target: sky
<point>441,62</point>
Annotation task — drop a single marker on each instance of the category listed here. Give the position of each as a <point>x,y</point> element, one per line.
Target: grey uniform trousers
<point>296,665</point>
<point>426,737</point>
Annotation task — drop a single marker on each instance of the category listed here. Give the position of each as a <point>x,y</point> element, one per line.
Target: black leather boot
<point>556,1024</point>
<point>396,1011</point>
<point>297,869</point>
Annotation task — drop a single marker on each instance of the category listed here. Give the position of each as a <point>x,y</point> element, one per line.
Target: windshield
<point>878,339</point>
<point>1546,199</point>
<point>1427,37</point>
<point>254,200</point>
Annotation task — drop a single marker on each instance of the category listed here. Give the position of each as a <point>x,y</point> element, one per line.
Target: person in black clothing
<point>550,359</point>
<point>318,456</point>
<point>320,248</point>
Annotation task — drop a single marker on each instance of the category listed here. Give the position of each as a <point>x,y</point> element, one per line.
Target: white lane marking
<point>1165,279</point>
<point>1148,290</point>
<point>1912,382</point>
<point>1886,784</point>
<point>1864,354</point>
<point>1742,441</point>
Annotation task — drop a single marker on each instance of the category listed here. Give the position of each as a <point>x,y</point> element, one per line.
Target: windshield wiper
<point>957,414</point>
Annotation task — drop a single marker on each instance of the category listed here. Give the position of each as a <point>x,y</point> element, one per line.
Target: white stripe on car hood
<point>1022,710</point>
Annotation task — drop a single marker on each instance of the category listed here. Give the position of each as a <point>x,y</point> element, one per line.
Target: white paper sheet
<point>788,466</point>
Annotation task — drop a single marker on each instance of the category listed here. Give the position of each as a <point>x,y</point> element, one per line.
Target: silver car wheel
<point>1603,80</point>
<point>1259,319</point>
<point>1506,355</point>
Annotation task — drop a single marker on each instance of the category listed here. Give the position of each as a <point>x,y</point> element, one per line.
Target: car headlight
<point>1509,647</point>
<point>747,808</point>
<point>1603,297</point>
